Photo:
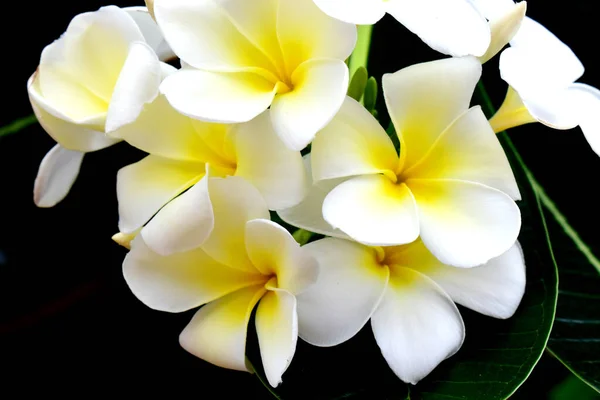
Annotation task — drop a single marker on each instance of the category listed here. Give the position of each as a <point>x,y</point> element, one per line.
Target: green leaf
<point>495,359</point>
<point>357,85</point>
<point>17,125</point>
<point>371,94</point>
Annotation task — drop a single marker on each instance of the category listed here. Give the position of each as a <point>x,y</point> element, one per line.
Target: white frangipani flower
<point>409,297</point>
<point>241,57</point>
<point>74,91</point>
<point>451,184</point>
<point>247,260</point>
<point>452,27</point>
<point>183,153</point>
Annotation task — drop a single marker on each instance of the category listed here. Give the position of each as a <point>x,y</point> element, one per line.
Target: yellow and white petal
<point>373,210</point>
<point>274,252</point>
<point>494,288</point>
<point>57,173</point>
<point>452,27</point>
<point>465,224</point>
<point>85,137</point>
<point>424,99</point>
<point>504,27</point>
<point>360,12</point>
<point>309,213</point>
<point>137,86</point>
<point>218,97</point>
<point>319,89</point>
<point>182,224</point>
<point>305,33</point>
<point>235,202</point>
<point>468,150</point>
<point>587,99</point>
<point>350,286</point>
<point>277,331</point>
<point>353,143</point>
<point>144,20</point>
<point>511,113</point>
<point>217,332</point>
<point>417,325</point>
<point>145,187</point>
<point>263,160</point>
<point>182,281</point>
<point>203,34</point>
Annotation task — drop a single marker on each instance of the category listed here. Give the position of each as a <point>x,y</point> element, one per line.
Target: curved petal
<point>273,251</point>
<point>235,202</point>
<point>217,333</point>
<point>424,99</point>
<point>319,89</point>
<point>180,282</point>
<point>494,288</point>
<point>263,160</point>
<point>57,173</point>
<point>305,33</point>
<point>465,224</point>
<point>553,108</point>
<point>351,283</point>
<point>353,143</point>
<point>468,150</point>
<point>504,27</point>
<point>416,325</point>
<point>144,187</point>
<point>182,224</point>
<point>154,37</point>
<point>203,34</point>
<point>361,12</point>
<point>452,27</point>
<point>373,210</point>
<point>308,214</point>
<point>137,86</point>
<point>587,101</point>
<point>218,97</point>
<point>277,331</point>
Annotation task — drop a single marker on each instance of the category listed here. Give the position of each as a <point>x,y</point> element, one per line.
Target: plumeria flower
<point>74,92</point>
<point>452,27</point>
<point>183,154</point>
<point>241,57</point>
<point>409,297</point>
<point>542,72</point>
<point>247,260</point>
<point>451,183</point>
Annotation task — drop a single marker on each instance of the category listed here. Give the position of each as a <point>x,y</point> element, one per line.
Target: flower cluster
<point>411,231</point>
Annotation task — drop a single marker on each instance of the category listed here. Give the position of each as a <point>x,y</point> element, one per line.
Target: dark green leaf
<point>17,125</point>
<point>358,84</point>
<point>371,94</point>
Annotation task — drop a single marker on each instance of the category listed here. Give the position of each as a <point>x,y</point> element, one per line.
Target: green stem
<point>544,198</point>
<point>17,125</point>
<point>360,55</point>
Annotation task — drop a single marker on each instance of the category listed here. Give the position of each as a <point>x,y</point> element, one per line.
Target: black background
<point>68,323</point>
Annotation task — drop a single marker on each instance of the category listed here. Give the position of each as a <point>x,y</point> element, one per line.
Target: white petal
<point>217,333</point>
<point>452,27</point>
<point>319,89</point>
<point>361,12</point>
<point>180,282</point>
<point>465,224</point>
<point>468,150</point>
<point>494,8</point>
<point>350,285</point>
<point>493,289</point>
<point>263,160</point>
<point>144,187</point>
<point>308,214</point>
<point>235,202</point>
<point>137,86</point>
<point>182,224</point>
<point>586,100</point>
<point>373,210</point>
<point>424,99</point>
<point>57,173</point>
<point>218,97</point>
<point>416,325</point>
<point>277,331</point>
<point>151,32</point>
<point>306,33</point>
<point>353,143</point>
<point>552,108</point>
<point>504,27</point>
<point>274,252</point>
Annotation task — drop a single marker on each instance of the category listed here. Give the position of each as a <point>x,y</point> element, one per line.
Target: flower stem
<point>360,55</point>
<point>17,125</point>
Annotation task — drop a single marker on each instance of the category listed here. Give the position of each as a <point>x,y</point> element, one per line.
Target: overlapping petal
<point>57,173</point>
<point>587,99</point>
<point>152,34</point>
<point>504,23</point>
<point>361,12</point>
